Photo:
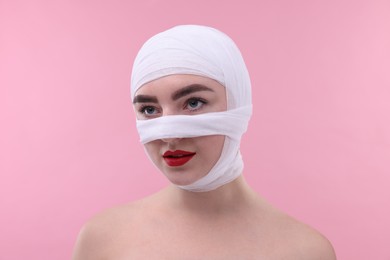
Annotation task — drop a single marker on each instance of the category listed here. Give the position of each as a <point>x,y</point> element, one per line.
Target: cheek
<point>212,146</point>
<point>152,150</point>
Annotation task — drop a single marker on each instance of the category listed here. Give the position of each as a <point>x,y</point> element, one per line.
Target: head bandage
<point>202,51</point>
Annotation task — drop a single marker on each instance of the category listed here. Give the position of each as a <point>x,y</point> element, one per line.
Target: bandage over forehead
<point>202,51</point>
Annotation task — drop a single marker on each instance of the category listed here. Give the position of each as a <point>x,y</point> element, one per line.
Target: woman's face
<point>182,160</point>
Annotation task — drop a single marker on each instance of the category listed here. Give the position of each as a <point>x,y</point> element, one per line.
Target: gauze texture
<point>202,51</point>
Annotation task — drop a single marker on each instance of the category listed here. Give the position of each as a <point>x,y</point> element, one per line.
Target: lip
<point>177,157</point>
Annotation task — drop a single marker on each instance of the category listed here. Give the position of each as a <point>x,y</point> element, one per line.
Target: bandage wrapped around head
<point>203,51</point>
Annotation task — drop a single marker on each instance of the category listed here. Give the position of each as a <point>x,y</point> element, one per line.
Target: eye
<point>194,103</point>
<point>148,110</point>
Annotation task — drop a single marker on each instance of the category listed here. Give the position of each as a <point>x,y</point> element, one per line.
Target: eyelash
<point>196,99</point>
<point>143,108</point>
<point>203,102</point>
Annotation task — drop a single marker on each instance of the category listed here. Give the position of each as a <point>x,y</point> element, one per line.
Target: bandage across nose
<point>232,123</point>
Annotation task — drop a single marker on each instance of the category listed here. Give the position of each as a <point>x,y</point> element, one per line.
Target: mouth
<point>177,158</point>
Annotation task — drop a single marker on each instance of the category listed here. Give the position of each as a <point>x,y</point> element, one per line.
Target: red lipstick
<point>178,157</point>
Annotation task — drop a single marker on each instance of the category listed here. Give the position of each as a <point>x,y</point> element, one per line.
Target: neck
<point>231,197</point>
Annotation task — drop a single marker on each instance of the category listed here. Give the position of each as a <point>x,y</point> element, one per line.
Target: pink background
<point>318,145</point>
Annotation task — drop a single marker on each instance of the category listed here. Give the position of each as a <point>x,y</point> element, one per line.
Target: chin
<point>180,181</point>
<point>181,178</point>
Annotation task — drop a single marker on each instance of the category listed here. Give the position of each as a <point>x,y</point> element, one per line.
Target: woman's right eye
<point>148,110</point>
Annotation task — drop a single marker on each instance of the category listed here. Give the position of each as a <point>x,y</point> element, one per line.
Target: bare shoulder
<point>302,241</point>
<point>95,239</point>
<point>312,244</point>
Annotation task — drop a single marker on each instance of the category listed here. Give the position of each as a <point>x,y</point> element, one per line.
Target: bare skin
<point>232,222</point>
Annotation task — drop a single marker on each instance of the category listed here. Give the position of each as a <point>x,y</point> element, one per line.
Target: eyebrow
<point>188,90</point>
<point>175,96</point>
<point>145,99</point>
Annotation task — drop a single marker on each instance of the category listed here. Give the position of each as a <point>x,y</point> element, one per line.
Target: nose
<point>168,112</point>
<point>170,140</point>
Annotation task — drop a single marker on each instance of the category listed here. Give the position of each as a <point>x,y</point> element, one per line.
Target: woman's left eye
<point>195,103</point>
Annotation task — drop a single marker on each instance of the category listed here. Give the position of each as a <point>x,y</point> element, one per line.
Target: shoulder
<point>95,239</point>
<point>311,244</point>
<point>304,242</point>
<point>288,238</point>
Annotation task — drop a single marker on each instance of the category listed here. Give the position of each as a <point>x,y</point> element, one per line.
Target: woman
<point>192,97</point>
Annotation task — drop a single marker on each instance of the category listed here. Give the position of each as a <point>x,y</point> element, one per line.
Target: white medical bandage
<point>203,51</point>
<point>232,123</point>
